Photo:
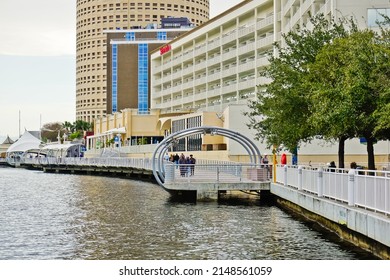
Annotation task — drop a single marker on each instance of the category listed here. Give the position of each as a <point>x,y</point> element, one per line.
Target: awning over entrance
<point>121,130</point>
<point>164,123</point>
<point>96,139</point>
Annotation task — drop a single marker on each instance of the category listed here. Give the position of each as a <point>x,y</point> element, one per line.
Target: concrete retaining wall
<point>366,229</point>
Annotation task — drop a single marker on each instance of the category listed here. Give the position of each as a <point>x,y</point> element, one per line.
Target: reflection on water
<point>57,216</point>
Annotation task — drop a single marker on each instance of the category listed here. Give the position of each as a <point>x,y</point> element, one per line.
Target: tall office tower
<point>96,16</point>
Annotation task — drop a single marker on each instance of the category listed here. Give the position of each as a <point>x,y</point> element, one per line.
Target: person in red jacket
<point>283,159</point>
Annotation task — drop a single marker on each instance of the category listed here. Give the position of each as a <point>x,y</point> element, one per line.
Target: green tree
<point>80,125</point>
<point>68,126</point>
<point>77,128</point>
<point>383,111</point>
<point>283,106</point>
<point>51,131</point>
<point>350,87</point>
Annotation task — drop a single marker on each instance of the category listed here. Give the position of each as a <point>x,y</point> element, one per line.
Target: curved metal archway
<point>158,154</point>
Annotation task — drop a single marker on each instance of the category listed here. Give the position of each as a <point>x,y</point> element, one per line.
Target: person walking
<point>265,164</point>
<point>265,160</point>
<point>176,159</point>
<point>192,165</point>
<point>182,165</point>
<point>332,166</point>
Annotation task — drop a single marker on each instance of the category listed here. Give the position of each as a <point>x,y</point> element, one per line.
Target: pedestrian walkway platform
<point>208,180</point>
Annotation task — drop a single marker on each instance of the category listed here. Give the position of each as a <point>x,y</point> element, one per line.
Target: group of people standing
<point>185,164</point>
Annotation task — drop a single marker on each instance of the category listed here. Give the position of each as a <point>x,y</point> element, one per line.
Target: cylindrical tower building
<point>95,16</point>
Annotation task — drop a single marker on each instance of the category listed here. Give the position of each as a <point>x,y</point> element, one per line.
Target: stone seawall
<point>365,229</point>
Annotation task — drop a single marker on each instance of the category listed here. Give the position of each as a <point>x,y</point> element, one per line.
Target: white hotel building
<point>215,67</point>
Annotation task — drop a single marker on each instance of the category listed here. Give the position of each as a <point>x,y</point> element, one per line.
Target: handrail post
<point>300,183</point>
<point>351,187</point>
<point>285,174</point>
<point>169,173</point>
<point>320,177</point>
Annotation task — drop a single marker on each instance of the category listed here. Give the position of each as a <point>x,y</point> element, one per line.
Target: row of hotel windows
<point>98,112</point>
<point>84,55</point>
<point>124,17</point>
<point>79,3</point>
<point>133,18</point>
<point>84,91</point>
<point>227,46</point>
<point>91,100</point>
<point>91,66</point>
<point>90,60</point>
<point>168,7</point>
<point>212,67</point>
<point>88,116</point>
<point>85,46</point>
<point>90,32</point>
<point>80,106</point>
<point>89,79</point>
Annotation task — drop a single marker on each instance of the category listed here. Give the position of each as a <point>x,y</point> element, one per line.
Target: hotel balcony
<point>214,60</point>
<point>214,76</point>
<point>187,70</point>
<point>250,83</point>
<point>228,37</point>
<point>248,65</point>
<point>265,23</point>
<point>247,48</point>
<point>230,54</point>
<point>201,65</point>
<point>245,30</point>
<point>216,43</point>
<point>265,42</point>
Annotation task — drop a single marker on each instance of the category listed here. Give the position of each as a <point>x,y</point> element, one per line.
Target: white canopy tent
<point>26,142</point>
<point>63,150</point>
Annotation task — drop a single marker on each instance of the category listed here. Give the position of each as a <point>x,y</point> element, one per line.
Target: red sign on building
<point>165,49</point>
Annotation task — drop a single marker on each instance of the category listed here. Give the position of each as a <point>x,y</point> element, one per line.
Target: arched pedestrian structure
<point>159,170</point>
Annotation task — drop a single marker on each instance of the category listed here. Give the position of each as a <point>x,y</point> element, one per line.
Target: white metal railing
<point>368,189</point>
<point>212,173</point>
<point>262,23</point>
<point>203,171</point>
<point>144,163</point>
<point>372,190</point>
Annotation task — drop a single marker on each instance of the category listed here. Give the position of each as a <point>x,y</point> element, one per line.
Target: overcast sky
<point>37,61</point>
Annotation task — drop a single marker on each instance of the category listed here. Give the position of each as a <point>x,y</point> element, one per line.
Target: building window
<point>194,142</point>
<point>376,16</point>
<point>162,35</point>
<point>143,82</point>
<point>181,143</point>
<point>130,36</point>
<point>114,78</point>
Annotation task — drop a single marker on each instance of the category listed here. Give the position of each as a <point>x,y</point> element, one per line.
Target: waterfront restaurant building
<point>215,68</point>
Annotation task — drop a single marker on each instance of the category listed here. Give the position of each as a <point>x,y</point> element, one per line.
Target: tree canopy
<point>51,131</point>
<point>329,81</point>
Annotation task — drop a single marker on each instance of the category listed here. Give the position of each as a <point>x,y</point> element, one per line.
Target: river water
<point>57,216</point>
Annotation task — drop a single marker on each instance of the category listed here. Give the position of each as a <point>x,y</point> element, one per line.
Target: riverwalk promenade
<point>353,203</point>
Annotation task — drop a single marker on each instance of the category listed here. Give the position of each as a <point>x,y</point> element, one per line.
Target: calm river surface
<point>57,216</point>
